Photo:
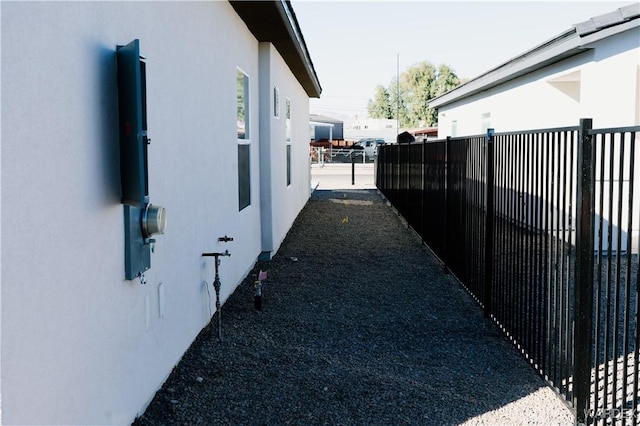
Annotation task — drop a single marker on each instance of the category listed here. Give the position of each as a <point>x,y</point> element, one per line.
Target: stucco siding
<point>290,198</point>
<point>283,202</point>
<point>610,86</point>
<point>80,344</point>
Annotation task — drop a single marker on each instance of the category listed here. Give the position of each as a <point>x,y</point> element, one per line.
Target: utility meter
<point>142,219</point>
<point>154,220</point>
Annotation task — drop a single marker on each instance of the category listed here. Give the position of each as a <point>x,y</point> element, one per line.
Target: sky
<point>356,45</point>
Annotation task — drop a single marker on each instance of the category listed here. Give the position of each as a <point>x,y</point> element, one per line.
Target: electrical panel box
<point>132,99</point>
<point>142,219</point>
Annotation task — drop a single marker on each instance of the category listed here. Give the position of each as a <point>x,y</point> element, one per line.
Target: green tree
<point>446,80</point>
<point>380,106</point>
<point>418,82</point>
<point>398,101</point>
<point>408,101</point>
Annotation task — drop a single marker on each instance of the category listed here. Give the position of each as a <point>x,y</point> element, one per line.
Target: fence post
<point>489,223</point>
<point>423,171</point>
<point>445,255</point>
<point>583,303</point>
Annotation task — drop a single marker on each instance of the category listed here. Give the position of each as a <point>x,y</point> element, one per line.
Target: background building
<point>376,128</point>
<point>326,128</point>
<point>591,70</point>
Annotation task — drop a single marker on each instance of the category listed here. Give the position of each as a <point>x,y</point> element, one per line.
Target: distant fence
<point>319,155</point>
<point>541,227</point>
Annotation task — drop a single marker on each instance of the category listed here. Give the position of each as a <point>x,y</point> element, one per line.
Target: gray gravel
<point>364,328</point>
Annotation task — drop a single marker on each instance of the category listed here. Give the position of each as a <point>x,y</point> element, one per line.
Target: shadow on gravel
<point>360,326</point>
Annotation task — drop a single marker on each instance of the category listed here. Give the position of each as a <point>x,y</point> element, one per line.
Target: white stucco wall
<point>281,202</point>
<point>80,344</point>
<point>608,84</point>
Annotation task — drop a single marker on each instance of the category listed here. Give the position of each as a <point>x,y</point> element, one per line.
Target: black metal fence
<point>541,227</point>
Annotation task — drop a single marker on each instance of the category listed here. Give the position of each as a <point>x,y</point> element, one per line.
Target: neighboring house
<point>227,111</point>
<point>326,128</point>
<point>591,70</point>
<point>372,128</point>
<point>425,134</point>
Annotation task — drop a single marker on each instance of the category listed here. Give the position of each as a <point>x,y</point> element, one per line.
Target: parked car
<point>370,146</point>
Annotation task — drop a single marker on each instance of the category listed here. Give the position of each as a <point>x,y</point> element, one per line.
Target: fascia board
<point>275,22</point>
<point>300,45</point>
<point>566,45</point>
<point>562,47</point>
<point>321,124</point>
<point>588,40</point>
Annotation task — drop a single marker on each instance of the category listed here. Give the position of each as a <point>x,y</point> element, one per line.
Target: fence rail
<point>320,155</point>
<point>541,227</point>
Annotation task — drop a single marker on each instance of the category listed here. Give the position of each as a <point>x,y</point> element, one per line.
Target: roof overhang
<point>324,119</point>
<point>275,22</point>
<point>578,39</point>
<point>321,124</point>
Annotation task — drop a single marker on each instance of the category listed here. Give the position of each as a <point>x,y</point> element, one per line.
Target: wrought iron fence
<point>321,155</point>
<point>541,227</point>
<point>616,334</point>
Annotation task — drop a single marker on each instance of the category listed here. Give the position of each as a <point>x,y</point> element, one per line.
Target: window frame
<point>485,122</point>
<point>243,140</point>
<point>276,102</point>
<point>246,106</point>
<point>288,147</point>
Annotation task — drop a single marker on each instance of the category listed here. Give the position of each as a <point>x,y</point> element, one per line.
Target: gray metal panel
<point>137,254</point>
<point>133,138</point>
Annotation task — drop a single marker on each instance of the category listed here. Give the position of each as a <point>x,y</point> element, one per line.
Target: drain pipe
<point>257,285</point>
<point>217,284</point>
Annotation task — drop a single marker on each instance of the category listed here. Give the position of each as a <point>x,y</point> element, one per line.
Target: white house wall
<point>80,344</point>
<point>608,85</point>
<point>280,201</point>
<point>611,92</point>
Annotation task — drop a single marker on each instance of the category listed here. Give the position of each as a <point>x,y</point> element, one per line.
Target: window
<point>638,95</point>
<point>287,108</point>
<point>242,84</point>
<point>244,176</point>
<point>244,146</point>
<point>485,122</point>
<point>288,164</point>
<point>276,102</point>
<point>454,128</point>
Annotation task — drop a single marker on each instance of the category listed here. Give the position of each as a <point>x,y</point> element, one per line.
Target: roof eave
<point>275,22</point>
<point>574,41</point>
<point>561,47</point>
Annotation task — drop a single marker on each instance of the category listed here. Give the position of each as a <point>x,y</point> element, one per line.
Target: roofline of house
<point>321,124</point>
<point>571,42</point>
<point>424,130</point>
<point>325,119</point>
<point>276,22</point>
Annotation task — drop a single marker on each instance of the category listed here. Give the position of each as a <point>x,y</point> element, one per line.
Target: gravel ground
<point>360,326</point>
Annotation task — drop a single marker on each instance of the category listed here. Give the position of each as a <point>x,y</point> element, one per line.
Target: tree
<point>409,101</point>
<point>397,98</point>
<point>418,82</point>
<point>380,107</point>
<point>446,80</point>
